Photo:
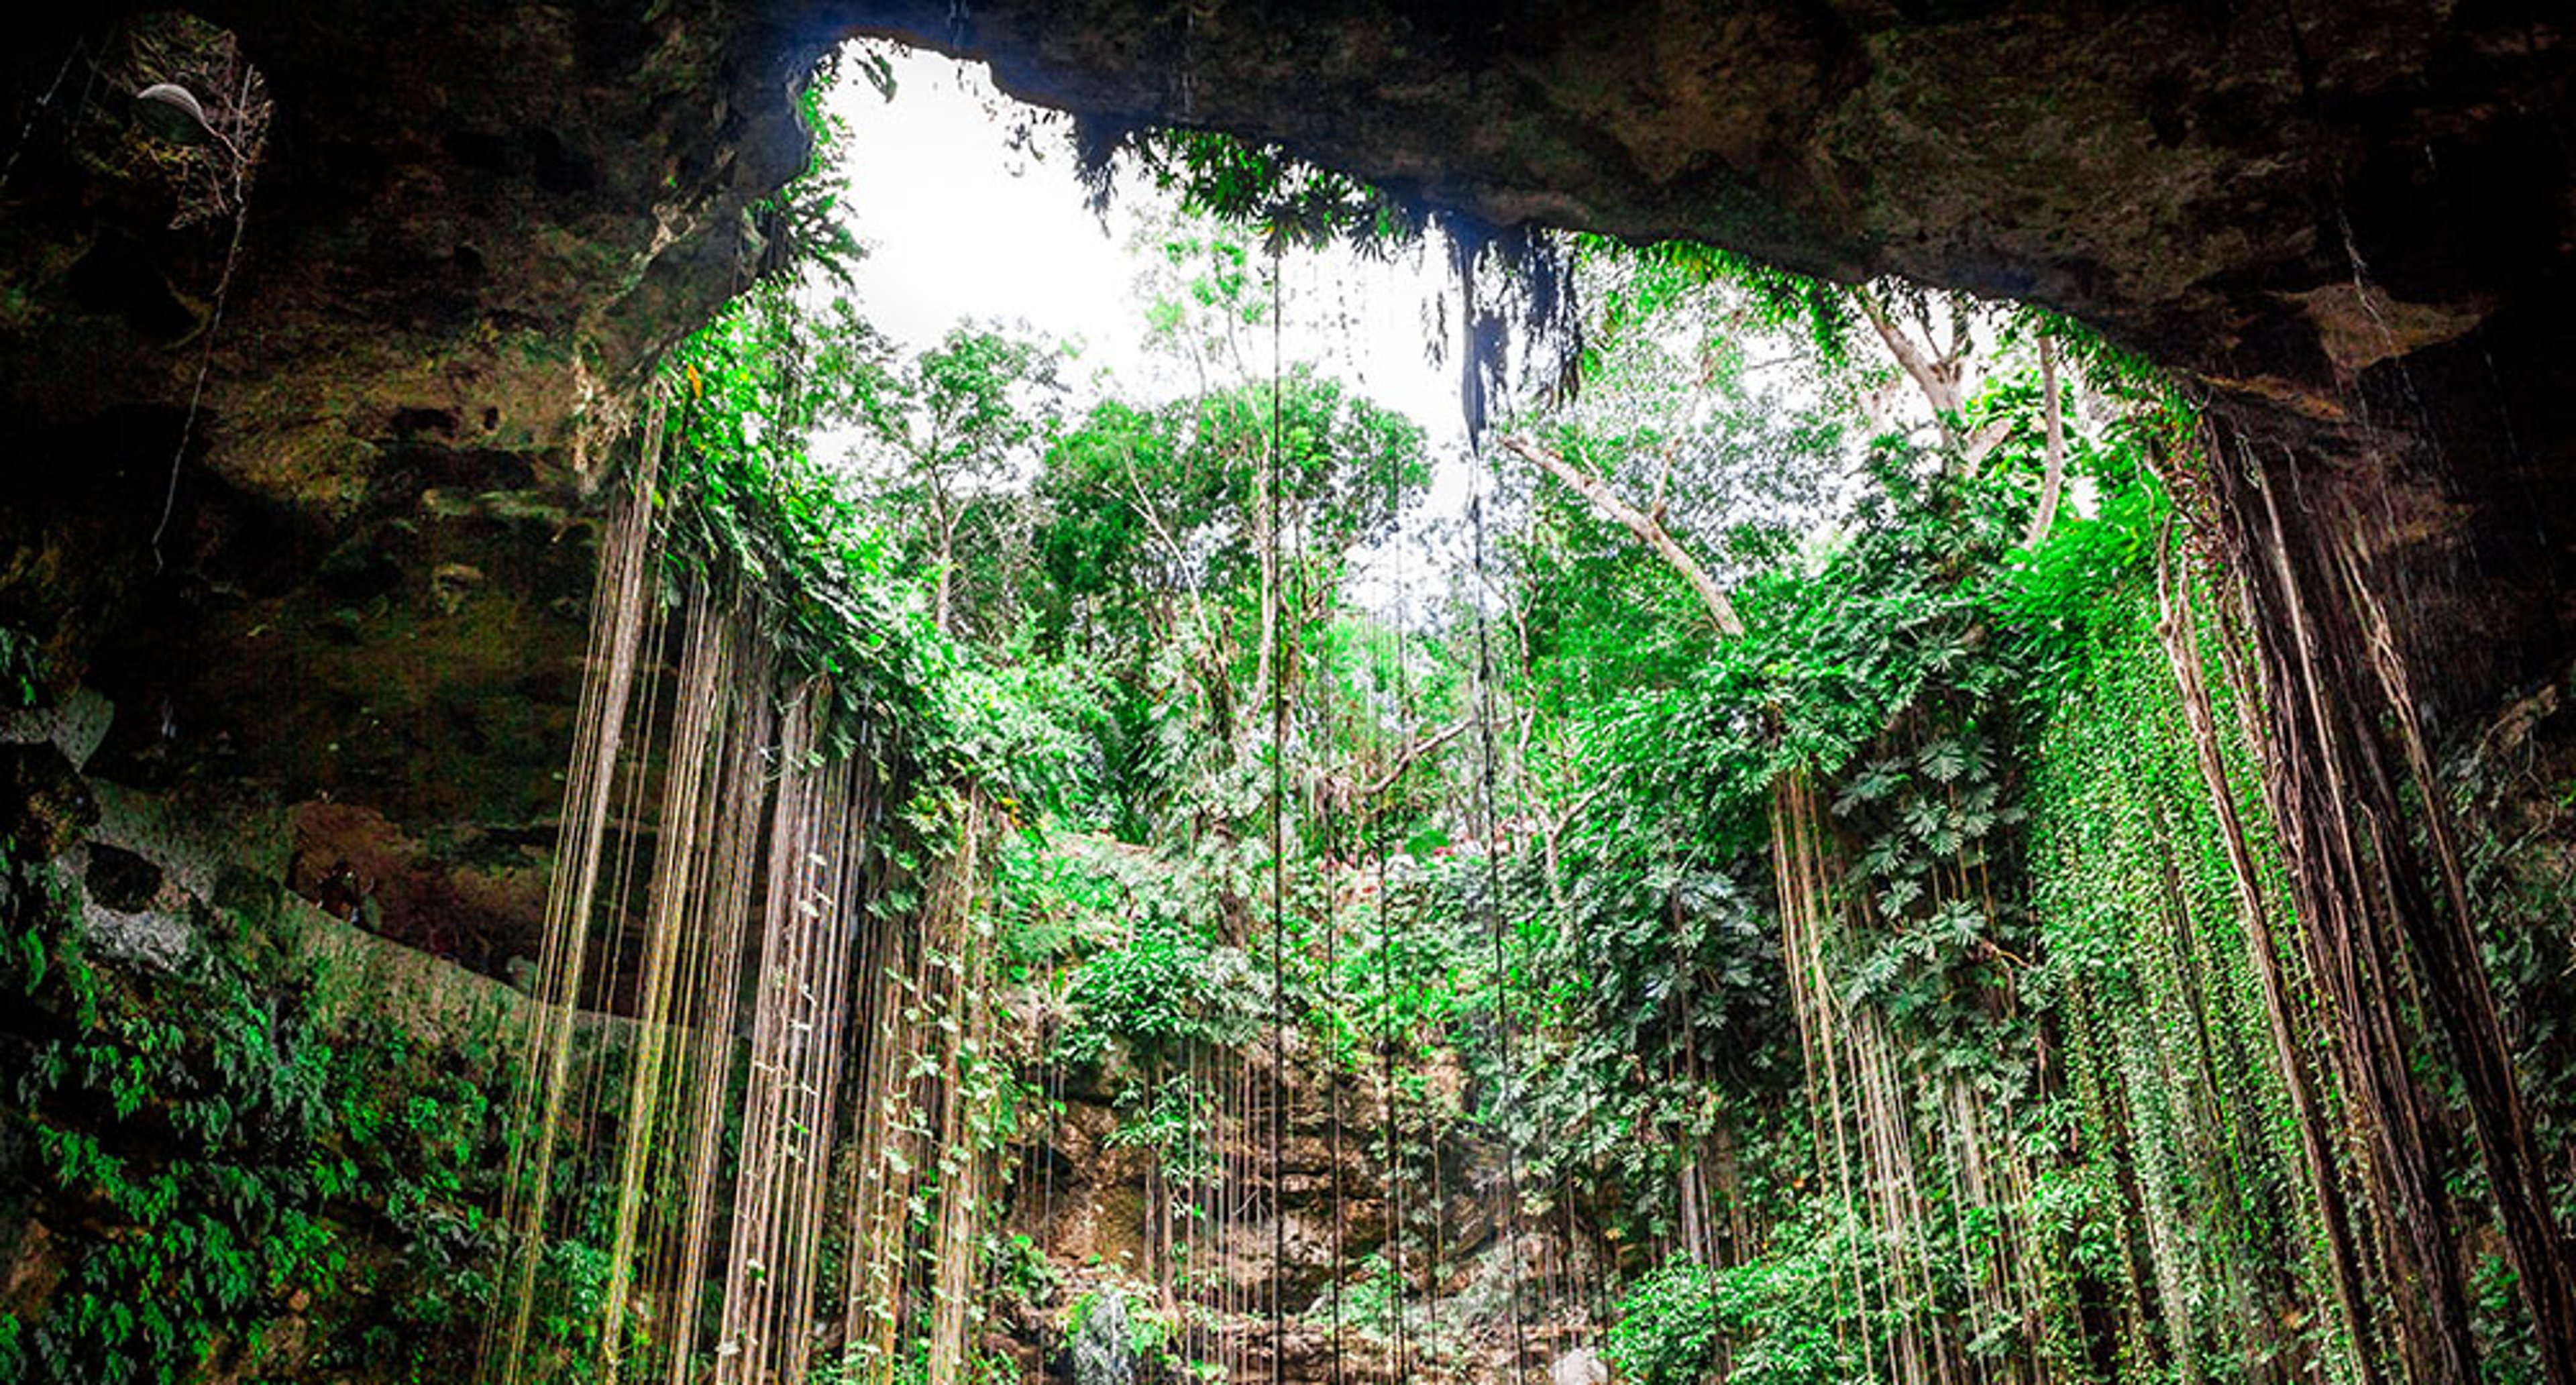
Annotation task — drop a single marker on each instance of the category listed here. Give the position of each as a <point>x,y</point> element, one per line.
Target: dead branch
<point>1415,750</point>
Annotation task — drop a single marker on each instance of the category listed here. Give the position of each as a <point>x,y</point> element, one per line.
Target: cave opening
<point>1311,975</point>
<point>1183,765</point>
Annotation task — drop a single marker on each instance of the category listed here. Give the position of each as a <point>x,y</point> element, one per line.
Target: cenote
<point>1388,693</point>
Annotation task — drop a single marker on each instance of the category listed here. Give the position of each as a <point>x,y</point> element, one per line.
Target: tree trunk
<point>946,522</point>
<point>2053,478</point>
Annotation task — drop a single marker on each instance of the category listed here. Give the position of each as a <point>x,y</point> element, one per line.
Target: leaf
<point>1960,923</point>
<point>1872,784</point>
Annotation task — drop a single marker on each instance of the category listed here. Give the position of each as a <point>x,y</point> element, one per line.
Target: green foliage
<point>1169,1118</point>
<point>1654,281</point>
<point>1666,1329</point>
<point>1940,683</point>
<point>1895,626</point>
<point>1367,1299</point>
<point>1286,200</point>
<point>947,431</point>
<point>1156,547</point>
<point>753,517</point>
<point>959,408</point>
<point>1664,1023</point>
<point>1050,894</point>
<point>22,668</point>
<point>226,1152</point>
<point>1787,1316</point>
<point>798,231</point>
<point>2146,967</point>
<point>1159,991</point>
<point>1150,507</point>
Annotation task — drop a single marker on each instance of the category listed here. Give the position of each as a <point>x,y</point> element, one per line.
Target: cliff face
<point>1408,1267</point>
<point>301,440</point>
<point>301,447</point>
<point>469,226</point>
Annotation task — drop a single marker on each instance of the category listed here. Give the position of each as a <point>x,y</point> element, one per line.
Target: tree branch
<point>1938,378</point>
<point>1413,751</point>
<point>1943,397</point>
<point>1721,610</point>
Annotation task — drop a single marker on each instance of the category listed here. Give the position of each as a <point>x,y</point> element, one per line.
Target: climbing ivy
<point>237,1164</point>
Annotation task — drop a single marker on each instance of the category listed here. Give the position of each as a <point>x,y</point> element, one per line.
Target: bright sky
<point>960,225</point>
<point>966,223</point>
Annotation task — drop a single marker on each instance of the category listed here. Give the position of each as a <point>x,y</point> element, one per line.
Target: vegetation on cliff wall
<point>1810,872</point>
<point>236,1161</point>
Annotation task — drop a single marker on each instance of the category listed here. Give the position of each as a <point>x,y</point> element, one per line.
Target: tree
<point>1158,542</point>
<point>1931,337</point>
<point>2052,479</point>
<point>1646,524</point>
<point>957,423</point>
